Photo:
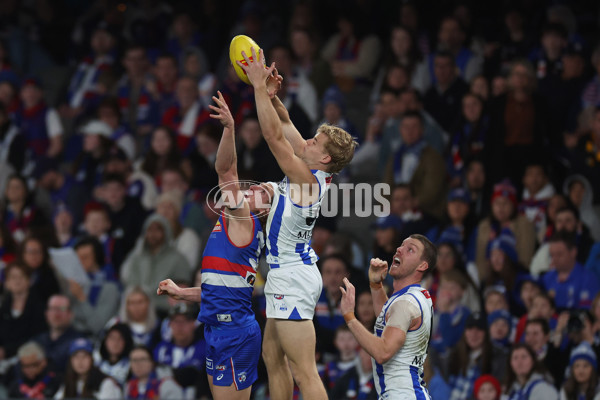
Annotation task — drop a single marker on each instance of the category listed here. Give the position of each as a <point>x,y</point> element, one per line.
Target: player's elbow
<point>383,357</point>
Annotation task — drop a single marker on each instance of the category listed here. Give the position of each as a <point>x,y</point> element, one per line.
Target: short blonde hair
<point>340,146</point>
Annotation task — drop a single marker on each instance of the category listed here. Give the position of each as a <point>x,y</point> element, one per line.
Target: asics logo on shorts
<point>220,377</point>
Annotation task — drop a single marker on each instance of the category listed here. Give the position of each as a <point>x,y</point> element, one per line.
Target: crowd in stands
<point>484,119</point>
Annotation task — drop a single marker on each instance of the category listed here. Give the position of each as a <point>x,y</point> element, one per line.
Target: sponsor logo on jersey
<point>278,296</point>
<point>217,227</point>
<point>224,317</point>
<point>250,278</point>
<point>283,308</point>
<point>426,294</point>
<point>209,364</point>
<point>221,368</point>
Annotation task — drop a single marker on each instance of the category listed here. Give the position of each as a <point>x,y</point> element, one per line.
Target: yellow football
<point>238,44</point>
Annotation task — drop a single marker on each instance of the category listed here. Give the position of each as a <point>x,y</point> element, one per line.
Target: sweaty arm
<point>289,129</point>
<point>402,316</point>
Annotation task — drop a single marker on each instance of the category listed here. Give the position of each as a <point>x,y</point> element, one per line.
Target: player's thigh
<point>297,340</point>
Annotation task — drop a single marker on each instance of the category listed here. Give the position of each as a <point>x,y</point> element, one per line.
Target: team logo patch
<point>250,278</point>
<point>221,368</point>
<point>209,363</point>
<point>426,294</point>
<point>278,296</point>
<point>217,227</point>
<point>242,377</point>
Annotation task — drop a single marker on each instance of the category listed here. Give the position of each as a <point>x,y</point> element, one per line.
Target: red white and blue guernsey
<point>401,377</point>
<point>233,337</point>
<point>294,282</point>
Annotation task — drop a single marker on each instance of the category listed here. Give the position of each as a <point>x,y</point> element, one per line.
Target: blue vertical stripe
<point>379,367</point>
<point>414,374</point>
<point>275,227</point>
<point>301,250</point>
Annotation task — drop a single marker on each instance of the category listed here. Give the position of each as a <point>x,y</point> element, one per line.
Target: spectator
<point>334,111</point>
<point>504,216</point>
<point>199,165</point>
<point>18,212</point>
<point>109,113</point>
<point>162,88</point>
<point>156,260</point>
<point>56,340</point>
<point>94,306</point>
<point>39,123</point>
<point>525,376</point>
<point>476,182</point>
<point>256,160</point>
<point>494,298</point>
<point>163,153</point>
<point>305,46</point>
<point>97,143</point>
<point>12,141</point>
<point>346,346</point>
<point>35,378</point>
<point>144,381</point>
<point>83,380</point>
<point>571,285</point>
<point>8,97</point>
<point>542,306</point>
<point>537,191</point>
<point>96,224</point>
<point>196,67</point>
<point>8,249</point>
<point>487,387</point>
<point>185,36</point>
<point>580,192</point>
<point>113,357</point>
<point>583,375</point>
<point>441,100</point>
<point>21,310</point>
<point>418,165</point>
<point>185,240</point>
<point>33,254</point>
<point>137,311</point>
<point>480,87</point>
<point>537,337</point>
<point>547,59</point>
<point>500,329</point>
<point>187,115</point>
<point>387,237</point>
<point>357,381</point>
<point>364,309</point>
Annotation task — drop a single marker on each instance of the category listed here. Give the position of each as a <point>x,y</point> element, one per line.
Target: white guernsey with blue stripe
<point>401,377</point>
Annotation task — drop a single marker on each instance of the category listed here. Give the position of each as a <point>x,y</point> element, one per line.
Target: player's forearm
<point>270,123</point>
<point>288,129</point>
<point>282,112</point>
<point>379,298</point>
<point>192,294</point>
<point>375,346</point>
<point>226,155</point>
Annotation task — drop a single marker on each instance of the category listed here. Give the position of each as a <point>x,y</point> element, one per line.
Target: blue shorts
<point>232,355</point>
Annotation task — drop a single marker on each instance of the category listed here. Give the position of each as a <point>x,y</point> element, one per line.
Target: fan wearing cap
<point>487,387</point>
<point>582,378</point>
<point>504,215</point>
<point>500,324</point>
<point>88,166</point>
<point>83,380</point>
<point>39,123</point>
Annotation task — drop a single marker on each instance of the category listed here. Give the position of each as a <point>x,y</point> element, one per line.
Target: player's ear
<point>326,159</point>
<point>424,266</point>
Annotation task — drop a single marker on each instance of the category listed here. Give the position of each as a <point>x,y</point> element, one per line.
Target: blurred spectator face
<point>115,343</point>
<point>7,93</point>
<point>553,44</point>
<point>528,292</point>
<point>513,21</point>
<point>519,79</point>
<point>101,42</point>
<point>364,307</point>
<point>58,314</point>
<point>487,391</point>
<point>192,65</point>
<point>167,210</point>
<point>445,259</point>
<point>388,104</point>
<point>81,362</point>
<point>563,258</point>
<point>332,113</point>
<point>109,116</point>
<point>521,362</point>
<point>396,78</point>
<point>182,328</point>
<point>186,93</point>
<point>450,34</point>
<point>250,133</point>
<point>87,258</point>
<point>31,95</point>
<point>499,329</point>
<point>450,290</point>
<point>333,272</point>
<point>346,345</point>
<point>171,180</point>
<point>402,201</point>
<point>480,87</point>
<point>114,194</point>
<point>400,41</point>
<point>409,101</point>
<point>282,58</point>
<point>497,258</point>
<point>135,62</point>
<point>137,306</point>
<point>535,337</point>
<point>495,301</point>
<point>33,253</point>
<point>577,193</point>
<point>582,371</point>
<point>555,203</point>
<point>166,70</point>
<point>16,281</point>
<point>48,180</point>
<point>155,235</point>
<point>457,210</point>
<point>498,86</point>
<point>301,44</point>
<point>443,69</point>
<point>141,363</point>
<point>411,130</point>
<point>91,143</point>
<point>63,221</point>
<point>183,27</point>
<point>385,237</point>
<point>502,208</point>
<point>472,108</point>
<point>32,366</point>
<point>16,192</point>
<point>206,145</point>
<point>534,179</point>
<point>117,166</point>
<point>474,338</point>
<point>96,223</point>
<point>541,308</point>
<point>161,142</point>
<point>565,221</point>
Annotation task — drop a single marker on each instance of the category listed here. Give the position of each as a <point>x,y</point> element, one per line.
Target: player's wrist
<point>375,285</point>
<point>349,316</point>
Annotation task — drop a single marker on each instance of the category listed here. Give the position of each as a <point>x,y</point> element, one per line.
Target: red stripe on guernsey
<point>221,264</point>
<point>426,294</point>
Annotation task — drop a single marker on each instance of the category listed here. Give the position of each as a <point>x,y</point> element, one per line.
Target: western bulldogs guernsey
<point>228,275</point>
<point>289,227</point>
<point>401,376</point>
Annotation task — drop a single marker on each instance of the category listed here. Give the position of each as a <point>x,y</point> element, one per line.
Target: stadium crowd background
<point>484,117</point>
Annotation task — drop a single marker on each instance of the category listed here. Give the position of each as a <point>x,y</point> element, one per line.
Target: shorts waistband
<point>231,330</point>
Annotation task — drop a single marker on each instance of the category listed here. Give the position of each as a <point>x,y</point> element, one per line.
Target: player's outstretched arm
<point>169,288</point>
<point>271,126</point>
<point>378,270</point>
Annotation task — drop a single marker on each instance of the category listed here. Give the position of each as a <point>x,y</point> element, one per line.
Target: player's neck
<point>401,283</point>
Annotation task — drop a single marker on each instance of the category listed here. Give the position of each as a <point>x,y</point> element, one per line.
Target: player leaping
<point>294,282</point>
<point>228,273</point>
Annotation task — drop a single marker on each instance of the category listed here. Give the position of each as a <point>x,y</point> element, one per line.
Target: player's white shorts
<point>408,394</point>
<point>292,292</point>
